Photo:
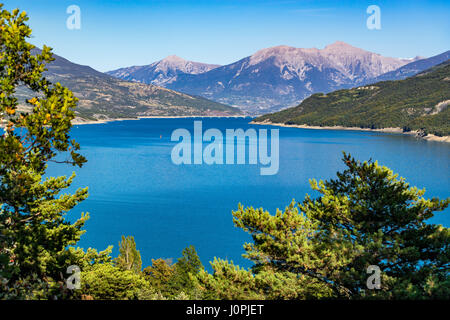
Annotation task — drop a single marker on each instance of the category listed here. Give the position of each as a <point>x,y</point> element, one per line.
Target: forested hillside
<point>416,103</point>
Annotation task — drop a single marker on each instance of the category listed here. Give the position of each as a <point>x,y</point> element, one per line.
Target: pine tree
<point>33,232</point>
<point>159,274</point>
<point>129,257</point>
<point>324,247</point>
<point>186,270</point>
<point>228,282</point>
<point>370,216</point>
<point>108,282</point>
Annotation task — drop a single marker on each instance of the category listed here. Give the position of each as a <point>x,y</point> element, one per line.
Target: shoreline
<point>79,121</point>
<point>428,137</point>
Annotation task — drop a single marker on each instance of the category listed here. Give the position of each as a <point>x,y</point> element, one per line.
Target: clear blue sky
<point>122,33</point>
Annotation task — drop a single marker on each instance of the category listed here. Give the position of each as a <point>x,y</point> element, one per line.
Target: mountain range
<point>103,97</point>
<point>272,78</point>
<point>268,81</point>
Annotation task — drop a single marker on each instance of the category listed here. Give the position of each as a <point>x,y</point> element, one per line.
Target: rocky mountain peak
<point>272,78</point>
<point>345,49</point>
<point>173,58</point>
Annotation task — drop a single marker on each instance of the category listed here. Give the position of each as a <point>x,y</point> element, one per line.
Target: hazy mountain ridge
<point>104,97</point>
<point>413,68</point>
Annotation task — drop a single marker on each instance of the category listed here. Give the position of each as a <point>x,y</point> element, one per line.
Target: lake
<point>135,189</point>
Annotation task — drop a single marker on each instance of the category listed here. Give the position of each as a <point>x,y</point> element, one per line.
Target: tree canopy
<point>323,247</point>
<point>33,232</point>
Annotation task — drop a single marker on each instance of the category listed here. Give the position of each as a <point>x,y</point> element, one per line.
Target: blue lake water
<point>135,189</point>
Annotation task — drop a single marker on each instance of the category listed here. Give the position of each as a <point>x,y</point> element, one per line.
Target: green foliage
<point>159,274</point>
<point>411,104</point>
<point>85,260</point>
<point>228,282</point>
<point>129,257</point>
<point>373,217</point>
<point>367,216</point>
<point>277,241</point>
<point>186,270</point>
<point>29,288</point>
<point>171,280</point>
<point>33,232</point>
<point>104,281</point>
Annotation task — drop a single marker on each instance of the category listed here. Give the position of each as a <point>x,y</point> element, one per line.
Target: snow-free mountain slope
<point>105,97</point>
<point>162,72</point>
<point>272,78</point>
<point>282,76</point>
<point>413,68</point>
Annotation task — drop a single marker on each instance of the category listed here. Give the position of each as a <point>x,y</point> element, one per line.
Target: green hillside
<point>416,103</point>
